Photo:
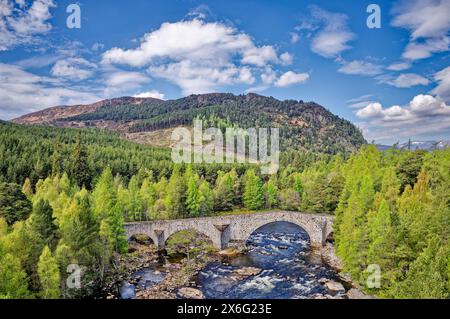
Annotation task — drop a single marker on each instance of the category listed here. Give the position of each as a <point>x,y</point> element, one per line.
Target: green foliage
<point>79,169</point>
<point>13,279</point>
<point>303,125</point>
<point>42,223</point>
<point>49,277</point>
<point>381,219</point>
<point>14,205</point>
<point>253,194</point>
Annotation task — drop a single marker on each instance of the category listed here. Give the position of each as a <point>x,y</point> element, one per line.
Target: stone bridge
<point>223,230</point>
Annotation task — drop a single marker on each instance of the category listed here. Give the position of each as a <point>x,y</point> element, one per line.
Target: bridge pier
<point>160,239</point>
<point>223,236</point>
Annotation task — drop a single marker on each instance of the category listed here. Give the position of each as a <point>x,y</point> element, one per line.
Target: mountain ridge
<point>303,125</point>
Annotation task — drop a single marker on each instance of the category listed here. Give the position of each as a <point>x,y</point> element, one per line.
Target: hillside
<point>304,125</point>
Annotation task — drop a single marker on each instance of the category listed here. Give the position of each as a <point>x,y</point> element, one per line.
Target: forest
<point>65,195</point>
<point>304,125</point>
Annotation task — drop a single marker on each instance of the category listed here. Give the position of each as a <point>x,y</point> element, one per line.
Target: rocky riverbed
<point>274,265</point>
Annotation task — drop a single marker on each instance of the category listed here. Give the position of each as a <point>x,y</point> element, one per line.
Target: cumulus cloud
<point>428,22</point>
<point>153,94</point>
<point>329,31</point>
<point>23,92</point>
<point>75,69</point>
<point>20,22</point>
<point>408,80</point>
<point>424,114</point>
<point>198,56</point>
<point>290,78</point>
<point>359,67</point>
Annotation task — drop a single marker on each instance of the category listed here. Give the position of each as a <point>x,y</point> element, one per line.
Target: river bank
<point>273,265</point>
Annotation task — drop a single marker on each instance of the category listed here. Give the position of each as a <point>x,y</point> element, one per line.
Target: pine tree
<point>13,278</point>
<point>427,276</point>
<point>43,224</point>
<point>56,160</point>
<point>175,200</point>
<point>104,196</point>
<point>193,196</point>
<point>49,276</point>
<point>253,194</point>
<point>79,168</point>
<point>271,191</point>
<point>206,199</point>
<point>224,192</point>
<point>148,196</point>
<point>14,205</point>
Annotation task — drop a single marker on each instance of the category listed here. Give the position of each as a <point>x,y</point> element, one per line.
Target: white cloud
<point>424,114</point>
<point>423,50</point>
<point>286,58</point>
<point>370,111</point>
<point>198,56</point>
<point>331,33</point>
<point>75,69</point>
<point>290,78</point>
<point>401,66</point>
<point>429,24</point>
<point>121,79</point>
<point>193,40</point>
<point>268,76</point>
<point>19,23</point>
<point>23,92</point>
<point>358,67</point>
<point>443,79</point>
<point>408,80</point>
<point>196,78</point>
<point>153,94</point>
<point>294,37</point>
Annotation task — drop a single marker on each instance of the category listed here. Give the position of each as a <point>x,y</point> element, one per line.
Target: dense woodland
<point>65,194</point>
<point>304,125</point>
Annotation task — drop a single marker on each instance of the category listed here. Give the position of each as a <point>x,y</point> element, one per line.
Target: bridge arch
<point>248,231</point>
<point>174,230</point>
<point>284,223</point>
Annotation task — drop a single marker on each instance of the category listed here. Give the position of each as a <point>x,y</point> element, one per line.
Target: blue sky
<point>393,82</point>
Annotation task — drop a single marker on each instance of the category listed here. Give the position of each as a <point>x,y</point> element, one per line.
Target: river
<point>287,269</point>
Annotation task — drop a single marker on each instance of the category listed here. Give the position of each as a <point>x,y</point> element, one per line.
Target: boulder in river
<point>334,287</point>
<point>245,272</point>
<point>190,293</point>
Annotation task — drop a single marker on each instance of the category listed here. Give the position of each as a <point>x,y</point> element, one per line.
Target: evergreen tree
<point>14,205</point>
<point>253,194</point>
<point>49,277</point>
<point>43,224</point>
<point>206,199</point>
<point>224,192</point>
<point>13,279</point>
<point>79,168</point>
<point>193,196</point>
<point>271,192</point>
<point>56,160</point>
<point>176,195</point>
